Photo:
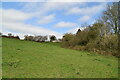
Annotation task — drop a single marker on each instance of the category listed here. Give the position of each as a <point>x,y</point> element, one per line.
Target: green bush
<point>82,38</point>
<point>68,40</point>
<point>105,45</point>
<point>92,39</point>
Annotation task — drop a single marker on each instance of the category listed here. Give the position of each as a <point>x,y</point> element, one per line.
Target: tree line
<point>100,37</point>
<point>38,38</point>
<point>9,36</point>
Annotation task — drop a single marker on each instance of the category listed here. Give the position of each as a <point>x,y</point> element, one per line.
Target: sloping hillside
<point>26,59</point>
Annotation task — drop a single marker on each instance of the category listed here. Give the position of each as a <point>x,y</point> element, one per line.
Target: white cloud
<point>46,19</point>
<point>13,20</point>
<point>82,0</point>
<point>84,18</point>
<point>75,29</point>
<point>0,21</point>
<point>14,15</point>
<point>16,24</point>
<point>58,6</point>
<point>46,7</point>
<point>28,29</point>
<point>87,10</point>
<point>64,24</point>
<point>59,0</point>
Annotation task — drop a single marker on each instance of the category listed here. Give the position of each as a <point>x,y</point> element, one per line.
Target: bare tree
<point>110,17</point>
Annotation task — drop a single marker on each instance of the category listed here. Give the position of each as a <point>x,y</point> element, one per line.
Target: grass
<point>27,59</point>
<point>0,58</point>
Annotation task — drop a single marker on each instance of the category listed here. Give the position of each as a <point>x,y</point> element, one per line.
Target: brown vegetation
<point>101,37</point>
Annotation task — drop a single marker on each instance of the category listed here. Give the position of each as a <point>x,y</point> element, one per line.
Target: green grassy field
<point>26,59</point>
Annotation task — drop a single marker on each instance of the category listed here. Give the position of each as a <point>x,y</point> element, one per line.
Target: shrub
<point>92,39</point>
<point>82,38</point>
<point>68,40</point>
<point>81,48</point>
<point>105,45</point>
<point>52,38</point>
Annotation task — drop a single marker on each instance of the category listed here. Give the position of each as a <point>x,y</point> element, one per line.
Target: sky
<point>48,18</point>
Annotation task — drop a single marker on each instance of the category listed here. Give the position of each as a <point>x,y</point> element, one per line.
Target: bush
<point>52,38</point>
<point>92,39</point>
<point>68,40</point>
<point>81,48</point>
<point>105,45</point>
<point>82,38</point>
